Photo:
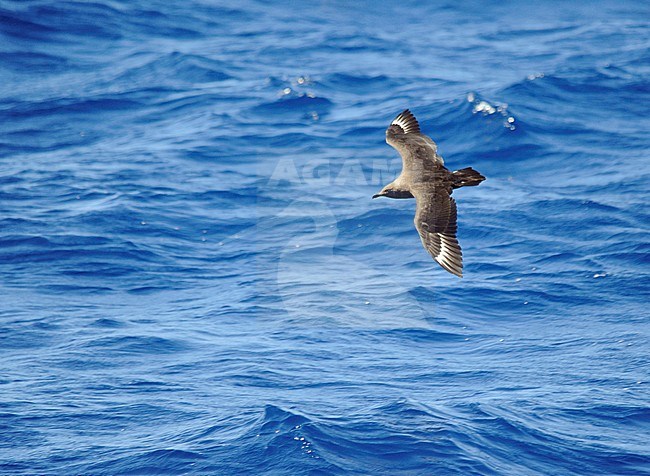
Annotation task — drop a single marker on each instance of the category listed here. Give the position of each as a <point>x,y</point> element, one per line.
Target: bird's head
<point>391,191</point>
<point>382,193</point>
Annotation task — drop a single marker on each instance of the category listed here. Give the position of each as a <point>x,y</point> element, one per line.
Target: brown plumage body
<point>425,178</point>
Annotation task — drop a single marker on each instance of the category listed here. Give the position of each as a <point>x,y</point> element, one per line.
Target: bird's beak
<point>378,195</point>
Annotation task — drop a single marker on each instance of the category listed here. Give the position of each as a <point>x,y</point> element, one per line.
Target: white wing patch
<point>407,122</point>
<point>450,256</point>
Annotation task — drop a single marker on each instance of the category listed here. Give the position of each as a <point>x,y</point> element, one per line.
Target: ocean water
<point>194,279</point>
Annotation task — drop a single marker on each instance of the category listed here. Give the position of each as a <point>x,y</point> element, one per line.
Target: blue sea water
<point>194,279</point>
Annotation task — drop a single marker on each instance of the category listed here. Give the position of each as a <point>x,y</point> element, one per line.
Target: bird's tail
<point>467,177</point>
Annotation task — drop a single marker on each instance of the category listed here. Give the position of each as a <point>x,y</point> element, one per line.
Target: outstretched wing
<point>436,222</point>
<point>418,151</point>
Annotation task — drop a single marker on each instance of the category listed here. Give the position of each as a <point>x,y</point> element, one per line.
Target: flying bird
<point>425,178</point>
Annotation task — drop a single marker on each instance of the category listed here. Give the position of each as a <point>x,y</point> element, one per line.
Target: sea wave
<point>195,279</point>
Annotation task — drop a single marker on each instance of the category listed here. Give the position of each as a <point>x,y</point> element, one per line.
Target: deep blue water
<point>194,279</point>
